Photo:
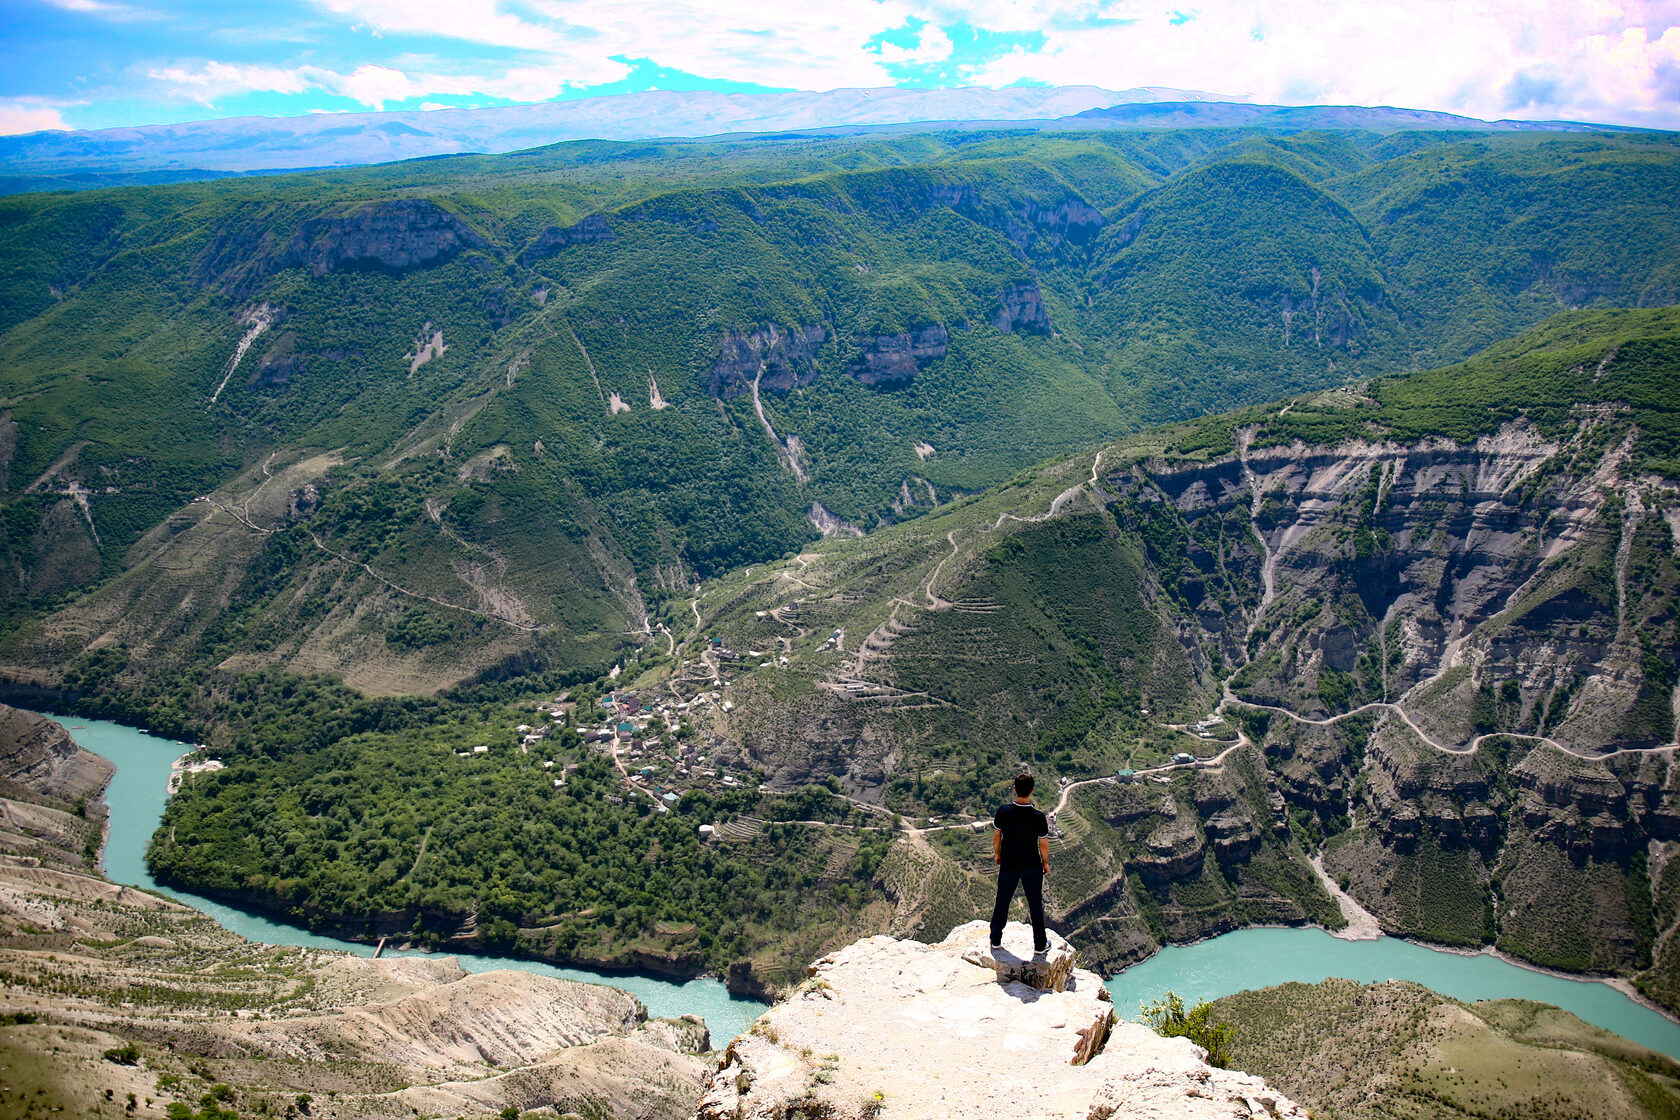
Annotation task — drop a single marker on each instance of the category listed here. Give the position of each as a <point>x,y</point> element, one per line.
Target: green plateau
<point>1421,1054</point>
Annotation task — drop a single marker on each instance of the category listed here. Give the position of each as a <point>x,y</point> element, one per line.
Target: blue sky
<point>102,63</point>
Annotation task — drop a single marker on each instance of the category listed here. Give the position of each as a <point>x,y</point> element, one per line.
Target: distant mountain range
<point>245,144</point>
<point>343,139</point>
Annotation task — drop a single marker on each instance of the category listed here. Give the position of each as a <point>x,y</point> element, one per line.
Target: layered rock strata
<point>891,360</point>
<point>779,357</point>
<point>889,1028</point>
<point>50,812</point>
<point>398,235</point>
<point>553,240</point>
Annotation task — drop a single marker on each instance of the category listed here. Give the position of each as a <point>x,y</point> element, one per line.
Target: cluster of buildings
<point>724,653</point>
<point>654,759</point>
<point>531,735</point>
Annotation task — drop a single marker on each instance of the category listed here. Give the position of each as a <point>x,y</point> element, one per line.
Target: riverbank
<point>1301,953</point>
<point>1265,957</point>
<point>1620,983</point>
<point>395,929</point>
<point>136,797</point>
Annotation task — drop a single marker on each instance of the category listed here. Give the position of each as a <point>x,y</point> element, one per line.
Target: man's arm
<point>1044,853</point>
<point>997,847</point>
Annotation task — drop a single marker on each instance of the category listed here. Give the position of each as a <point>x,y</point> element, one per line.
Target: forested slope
<point>477,415</point>
<point>1430,612</point>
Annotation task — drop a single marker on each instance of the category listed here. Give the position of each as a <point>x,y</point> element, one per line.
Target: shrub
<point>1168,1018</point>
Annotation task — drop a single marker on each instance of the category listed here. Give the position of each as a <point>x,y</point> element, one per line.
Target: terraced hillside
<point>422,425</point>
<point>1412,631</point>
<point>1421,630</point>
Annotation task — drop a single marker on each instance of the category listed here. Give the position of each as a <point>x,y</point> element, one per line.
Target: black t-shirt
<point>1021,826</point>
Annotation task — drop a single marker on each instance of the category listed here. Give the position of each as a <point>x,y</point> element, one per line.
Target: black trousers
<point>1030,880</point>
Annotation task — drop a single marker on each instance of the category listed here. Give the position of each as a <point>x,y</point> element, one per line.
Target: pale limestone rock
<point>1014,959</point>
<point>899,1029</point>
<point>501,1018</point>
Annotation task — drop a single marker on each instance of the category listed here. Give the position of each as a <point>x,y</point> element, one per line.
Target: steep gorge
<point>1444,662</point>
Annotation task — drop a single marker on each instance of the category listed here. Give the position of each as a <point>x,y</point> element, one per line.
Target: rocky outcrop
<point>37,755</point>
<point>51,815</point>
<point>368,1039</point>
<point>554,240</point>
<point>457,1024</point>
<point>399,235</point>
<point>830,524</point>
<point>1073,219</point>
<point>1021,308</point>
<point>954,1030</point>
<point>1480,578</point>
<point>1013,962</point>
<point>891,360</point>
<point>778,357</point>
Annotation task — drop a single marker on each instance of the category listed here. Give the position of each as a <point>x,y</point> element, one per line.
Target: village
<point>659,738</point>
<point>656,750</point>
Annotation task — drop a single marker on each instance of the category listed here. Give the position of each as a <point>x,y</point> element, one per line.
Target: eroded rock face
<point>399,235</point>
<point>50,811</point>
<point>1021,309</point>
<point>384,1039</point>
<point>903,1029</point>
<point>1073,219</point>
<point>1014,962</point>
<point>502,1018</point>
<point>554,239</point>
<point>1488,582</point>
<point>780,357</point>
<point>35,752</point>
<point>891,360</point>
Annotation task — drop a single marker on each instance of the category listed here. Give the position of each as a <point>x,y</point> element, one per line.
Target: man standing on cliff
<point>1021,850</point>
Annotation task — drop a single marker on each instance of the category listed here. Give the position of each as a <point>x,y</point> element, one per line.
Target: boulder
<point>1015,961</point>
<point>890,1028</point>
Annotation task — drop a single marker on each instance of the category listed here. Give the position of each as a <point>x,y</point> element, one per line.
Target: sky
<point>104,63</point>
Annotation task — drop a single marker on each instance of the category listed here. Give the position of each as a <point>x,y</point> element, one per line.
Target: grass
<point>1348,1050</point>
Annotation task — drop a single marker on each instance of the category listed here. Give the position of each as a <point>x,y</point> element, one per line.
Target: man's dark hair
<point>1023,785</point>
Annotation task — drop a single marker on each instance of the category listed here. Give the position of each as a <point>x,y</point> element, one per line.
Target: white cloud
<point>118,13</point>
<point>1587,59</point>
<point>372,86</point>
<point>376,85</point>
<point>89,7</point>
<point>1597,61</point>
<point>211,81</point>
<point>933,46</point>
<point>30,114</point>
<point>475,21</point>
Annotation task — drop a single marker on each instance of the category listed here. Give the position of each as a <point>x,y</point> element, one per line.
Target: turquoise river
<point>1252,958</point>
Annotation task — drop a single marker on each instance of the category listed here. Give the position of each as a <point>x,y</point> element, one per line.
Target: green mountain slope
<point>1430,612</point>
<point>1396,1048</point>
<point>519,402</point>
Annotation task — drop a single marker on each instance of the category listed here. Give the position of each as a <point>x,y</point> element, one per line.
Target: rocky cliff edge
<point>900,1029</point>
